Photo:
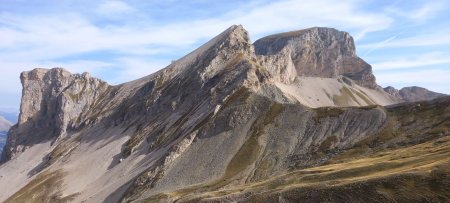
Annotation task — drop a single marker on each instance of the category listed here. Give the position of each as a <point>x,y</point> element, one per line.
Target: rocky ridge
<point>214,125</point>
<point>413,94</point>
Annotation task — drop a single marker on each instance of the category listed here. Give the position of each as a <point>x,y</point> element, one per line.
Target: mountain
<point>293,117</point>
<point>3,136</point>
<point>413,94</point>
<point>4,127</point>
<point>10,115</point>
<point>4,124</point>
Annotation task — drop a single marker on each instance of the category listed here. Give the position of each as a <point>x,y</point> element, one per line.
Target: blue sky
<point>407,42</point>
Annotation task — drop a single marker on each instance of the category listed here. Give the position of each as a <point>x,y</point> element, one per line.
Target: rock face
<point>413,94</point>
<point>52,101</point>
<point>319,52</point>
<point>392,91</point>
<point>229,122</point>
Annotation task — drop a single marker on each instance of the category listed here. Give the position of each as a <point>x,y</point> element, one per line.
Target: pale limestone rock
<point>52,103</point>
<point>318,52</point>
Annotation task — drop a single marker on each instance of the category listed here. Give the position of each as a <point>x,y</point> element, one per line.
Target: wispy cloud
<point>420,14</point>
<point>428,59</point>
<point>113,7</point>
<point>441,37</point>
<point>380,44</point>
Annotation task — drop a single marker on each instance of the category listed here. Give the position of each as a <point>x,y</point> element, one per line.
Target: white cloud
<point>292,15</point>
<point>380,44</point>
<point>434,39</point>
<point>136,67</point>
<point>111,7</point>
<point>43,38</point>
<point>429,59</point>
<point>420,15</point>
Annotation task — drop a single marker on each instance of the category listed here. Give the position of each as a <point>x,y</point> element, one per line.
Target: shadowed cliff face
<point>223,123</point>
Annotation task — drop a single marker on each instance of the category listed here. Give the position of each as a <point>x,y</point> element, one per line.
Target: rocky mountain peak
<point>235,35</point>
<point>234,38</point>
<point>319,52</point>
<point>392,91</point>
<point>54,101</point>
<point>224,116</point>
<point>316,37</point>
<point>414,93</point>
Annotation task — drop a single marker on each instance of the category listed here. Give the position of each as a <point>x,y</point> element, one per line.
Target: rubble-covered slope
<point>217,124</point>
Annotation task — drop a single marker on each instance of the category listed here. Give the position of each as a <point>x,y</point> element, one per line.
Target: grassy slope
<point>46,187</point>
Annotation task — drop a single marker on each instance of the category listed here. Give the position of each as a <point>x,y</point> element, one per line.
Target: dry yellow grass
<point>46,187</point>
<point>420,160</point>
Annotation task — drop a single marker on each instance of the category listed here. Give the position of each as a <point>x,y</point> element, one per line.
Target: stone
<point>318,52</point>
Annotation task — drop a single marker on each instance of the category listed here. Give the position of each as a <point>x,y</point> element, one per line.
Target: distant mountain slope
<point>12,117</point>
<point>4,127</point>
<point>4,124</point>
<point>414,93</point>
<point>3,136</point>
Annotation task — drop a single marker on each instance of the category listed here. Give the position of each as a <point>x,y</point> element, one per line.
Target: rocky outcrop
<point>319,52</point>
<point>52,101</point>
<point>413,94</point>
<point>392,91</point>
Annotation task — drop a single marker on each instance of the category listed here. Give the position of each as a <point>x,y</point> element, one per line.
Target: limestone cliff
<point>319,52</point>
<point>52,101</point>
